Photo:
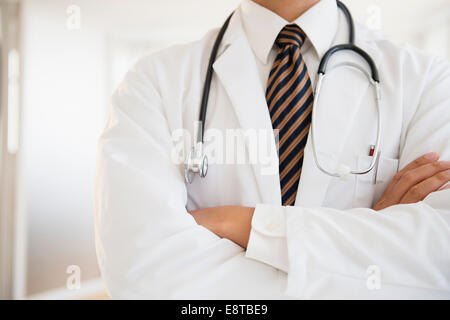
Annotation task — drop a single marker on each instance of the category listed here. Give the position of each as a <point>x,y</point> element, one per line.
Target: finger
<point>423,189</point>
<point>387,199</point>
<point>424,159</point>
<point>417,175</point>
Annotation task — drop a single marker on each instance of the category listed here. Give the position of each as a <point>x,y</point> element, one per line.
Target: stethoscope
<point>197,161</point>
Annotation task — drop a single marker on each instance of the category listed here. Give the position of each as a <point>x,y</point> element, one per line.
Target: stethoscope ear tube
<point>349,18</point>
<point>343,170</point>
<point>350,47</point>
<point>208,79</point>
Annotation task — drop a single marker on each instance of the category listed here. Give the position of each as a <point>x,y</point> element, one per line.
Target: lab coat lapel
<point>340,99</point>
<point>237,71</point>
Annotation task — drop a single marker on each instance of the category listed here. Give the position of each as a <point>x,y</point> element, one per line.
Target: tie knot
<point>290,35</point>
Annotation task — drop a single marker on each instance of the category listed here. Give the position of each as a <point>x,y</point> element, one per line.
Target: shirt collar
<point>262,26</point>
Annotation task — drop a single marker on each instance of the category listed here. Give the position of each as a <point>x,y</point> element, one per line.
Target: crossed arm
<point>149,246</point>
<point>410,185</point>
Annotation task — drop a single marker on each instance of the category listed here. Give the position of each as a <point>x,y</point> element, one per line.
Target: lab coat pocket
<point>370,186</point>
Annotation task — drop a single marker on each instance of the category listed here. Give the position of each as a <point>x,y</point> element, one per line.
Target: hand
<point>231,222</point>
<point>416,181</point>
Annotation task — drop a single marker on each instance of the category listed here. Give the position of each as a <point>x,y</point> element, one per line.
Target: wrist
<point>237,224</point>
<point>223,222</point>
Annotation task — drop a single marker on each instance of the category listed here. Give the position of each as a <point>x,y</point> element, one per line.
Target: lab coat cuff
<point>267,242</point>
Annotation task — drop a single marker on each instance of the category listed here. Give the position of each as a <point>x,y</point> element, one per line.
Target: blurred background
<point>60,60</point>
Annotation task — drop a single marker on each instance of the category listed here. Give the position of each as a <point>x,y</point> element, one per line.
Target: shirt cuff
<point>267,242</point>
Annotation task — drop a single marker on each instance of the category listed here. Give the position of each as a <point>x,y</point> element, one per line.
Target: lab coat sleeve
<point>400,252</point>
<point>148,245</point>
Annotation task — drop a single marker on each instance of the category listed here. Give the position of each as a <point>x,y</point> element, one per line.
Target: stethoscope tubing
<point>208,79</point>
<point>376,86</point>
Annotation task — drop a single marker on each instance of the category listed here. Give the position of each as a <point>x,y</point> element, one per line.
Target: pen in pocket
<point>371,154</point>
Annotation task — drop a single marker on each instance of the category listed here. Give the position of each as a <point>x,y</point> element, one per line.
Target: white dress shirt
<point>262,27</point>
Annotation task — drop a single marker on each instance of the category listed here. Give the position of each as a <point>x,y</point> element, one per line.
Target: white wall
<point>64,104</point>
<point>68,77</point>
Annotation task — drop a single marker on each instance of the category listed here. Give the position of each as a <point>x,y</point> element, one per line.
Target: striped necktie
<point>289,98</point>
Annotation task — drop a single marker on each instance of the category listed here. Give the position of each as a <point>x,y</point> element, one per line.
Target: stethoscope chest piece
<point>196,163</point>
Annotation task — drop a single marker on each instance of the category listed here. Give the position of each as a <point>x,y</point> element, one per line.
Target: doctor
<point>297,232</point>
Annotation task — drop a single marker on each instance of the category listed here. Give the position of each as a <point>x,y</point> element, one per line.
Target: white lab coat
<point>330,245</point>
